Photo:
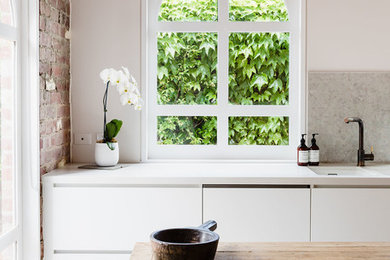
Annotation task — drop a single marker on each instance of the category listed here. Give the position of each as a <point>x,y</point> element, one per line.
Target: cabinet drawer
<point>91,257</point>
<point>259,214</point>
<point>349,214</point>
<point>114,218</point>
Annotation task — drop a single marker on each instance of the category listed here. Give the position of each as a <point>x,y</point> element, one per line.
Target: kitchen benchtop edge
<point>211,173</point>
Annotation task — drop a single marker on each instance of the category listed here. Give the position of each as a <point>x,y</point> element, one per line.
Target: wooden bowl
<point>186,243</point>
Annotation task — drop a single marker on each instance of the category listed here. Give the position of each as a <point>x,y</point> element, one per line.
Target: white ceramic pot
<point>104,156</point>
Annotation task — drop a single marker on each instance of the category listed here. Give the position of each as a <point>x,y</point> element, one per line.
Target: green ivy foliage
<point>258,73</point>
<point>258,130</point>
<point>258,68</point>
<point>207,10</point>
<point>187,68</point>
<point>189,10</point>
<point>187,130</point>
<point>257,10</point>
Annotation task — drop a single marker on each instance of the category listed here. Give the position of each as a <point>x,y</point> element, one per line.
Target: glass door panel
<point>6,14</point>
<point>9,253</point>
<point>7,171</point>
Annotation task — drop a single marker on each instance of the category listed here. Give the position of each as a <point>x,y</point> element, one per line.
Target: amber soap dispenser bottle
<point>303,153</point>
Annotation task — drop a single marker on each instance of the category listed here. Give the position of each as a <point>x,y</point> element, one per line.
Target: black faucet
<point>362,156</point>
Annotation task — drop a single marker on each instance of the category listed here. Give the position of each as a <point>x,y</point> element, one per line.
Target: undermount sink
<point>380,168</point>
<point>344,171</point>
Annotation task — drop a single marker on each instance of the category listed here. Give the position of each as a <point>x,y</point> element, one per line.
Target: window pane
<point>188,10</point>
<point>258,130</point>
<point>8,253</point>
<point>7,199</point>
<point>187,68</point>
<point>259,68</point>
<point>6,12</point>
<point>257,10</point>
<point>190,130</point>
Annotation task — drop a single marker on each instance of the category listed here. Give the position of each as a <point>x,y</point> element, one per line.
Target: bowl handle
<point>210,225</point>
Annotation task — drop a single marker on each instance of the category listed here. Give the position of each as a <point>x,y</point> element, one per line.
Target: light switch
<point>82,139</point>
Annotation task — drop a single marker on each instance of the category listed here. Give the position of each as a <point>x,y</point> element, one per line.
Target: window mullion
<point>223,11</point>
<point>223,25</point>
<point>223,88</point>
<point>152,90</point>
<point>223,110</point>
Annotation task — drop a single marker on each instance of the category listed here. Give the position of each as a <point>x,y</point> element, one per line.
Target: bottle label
<point>303,156</point>
<point>314,156</point>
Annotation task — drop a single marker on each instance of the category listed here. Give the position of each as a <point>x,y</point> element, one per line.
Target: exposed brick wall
<point>54,75</point>
<point>54,67</point>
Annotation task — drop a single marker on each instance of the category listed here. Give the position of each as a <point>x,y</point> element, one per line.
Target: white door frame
<point>27,166</point>
<point>31,238</point>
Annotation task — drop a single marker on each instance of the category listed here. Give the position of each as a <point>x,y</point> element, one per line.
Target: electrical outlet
<point>82,139</point>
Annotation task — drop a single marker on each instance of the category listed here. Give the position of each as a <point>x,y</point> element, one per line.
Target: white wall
<point>348,35</point>
<point>105,33</point>
<point>343,35</point>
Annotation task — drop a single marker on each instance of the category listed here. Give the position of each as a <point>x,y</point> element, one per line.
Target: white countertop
<point>217,173</point>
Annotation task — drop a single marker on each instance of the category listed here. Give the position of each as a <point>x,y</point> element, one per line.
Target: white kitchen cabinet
<point>259,214</point>
<point>112,218</point>
<point>92,256</point>
<point>351,214</point>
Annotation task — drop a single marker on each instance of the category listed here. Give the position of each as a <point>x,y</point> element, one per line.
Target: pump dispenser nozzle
<point>303,141</point>
<point>313,140</point>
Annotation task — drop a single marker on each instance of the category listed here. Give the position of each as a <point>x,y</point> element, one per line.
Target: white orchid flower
<point>135,89</point>
<point>126,71</point>
<point>124,99</point>
<point>107,75</point>
<point>125,84</point>
<point>136,101</point>
<point>129,76</point>
<point>124,87</point>
<point>131,88</point>
<point>132,80</point>
<point>138,107</point>
<point>131,99</point>
<point>120,78</point>
<point>127,87</point>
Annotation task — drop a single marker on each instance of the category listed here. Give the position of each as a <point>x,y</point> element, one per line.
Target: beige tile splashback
<point>335,95</point>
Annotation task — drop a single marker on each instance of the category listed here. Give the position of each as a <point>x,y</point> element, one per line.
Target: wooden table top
<point>287,250</point>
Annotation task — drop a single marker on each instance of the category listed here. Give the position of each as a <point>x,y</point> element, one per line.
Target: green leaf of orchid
<point>112,129</point>
<point>111,146</point>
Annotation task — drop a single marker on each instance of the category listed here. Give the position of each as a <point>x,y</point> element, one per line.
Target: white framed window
<point>19,130</point>
<point>223,79</point>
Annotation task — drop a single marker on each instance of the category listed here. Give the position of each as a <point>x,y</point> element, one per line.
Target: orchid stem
<point>105,111</point>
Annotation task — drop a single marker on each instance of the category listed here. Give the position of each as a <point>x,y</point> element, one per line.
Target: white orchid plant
<point>126,85</point>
